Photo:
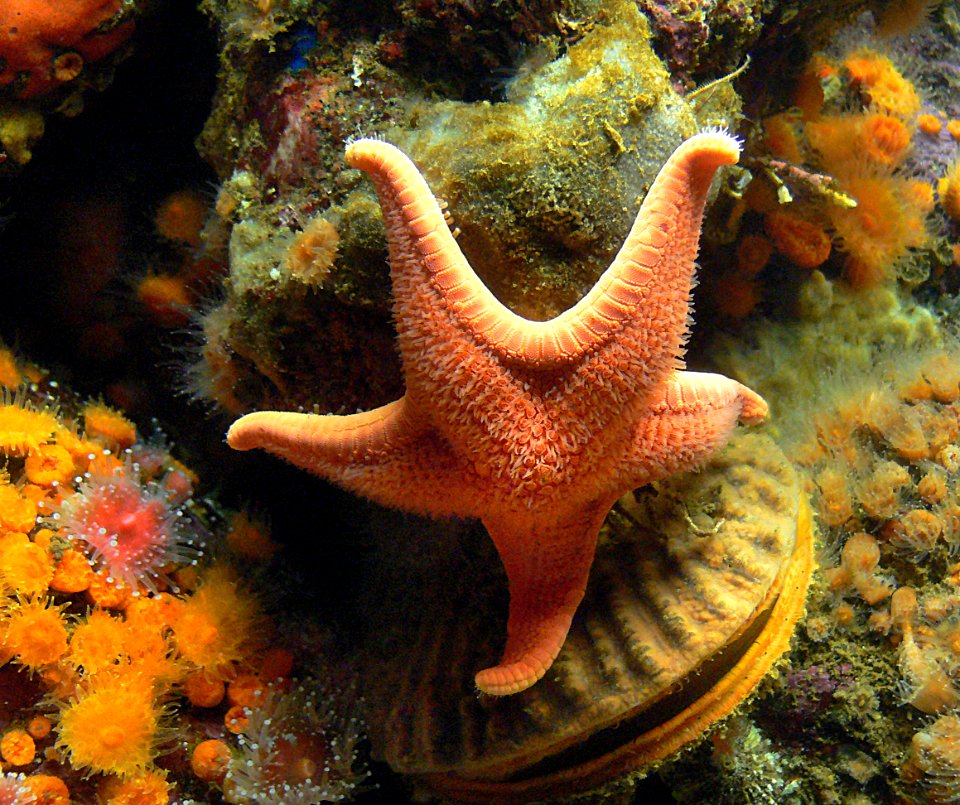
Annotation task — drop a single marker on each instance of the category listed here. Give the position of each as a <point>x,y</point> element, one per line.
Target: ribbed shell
<point>679,574</point>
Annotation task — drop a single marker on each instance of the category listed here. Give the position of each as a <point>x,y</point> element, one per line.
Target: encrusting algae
<point>128,642</point>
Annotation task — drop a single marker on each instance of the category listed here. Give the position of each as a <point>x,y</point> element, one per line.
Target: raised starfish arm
<point>547,565</point>
<point>383,454</point>
<point>689,416</point>
<point>645,291</point>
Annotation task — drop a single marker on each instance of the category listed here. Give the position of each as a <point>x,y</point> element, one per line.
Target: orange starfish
<point>534,427</point>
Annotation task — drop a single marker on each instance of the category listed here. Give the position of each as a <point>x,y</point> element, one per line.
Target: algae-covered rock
<point>542,185</point>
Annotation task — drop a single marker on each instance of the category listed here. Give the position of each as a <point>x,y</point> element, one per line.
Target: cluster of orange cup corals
<point>882,458</point>
<point>863,150</point>
<point>840,152</point>
<point>124,641</point>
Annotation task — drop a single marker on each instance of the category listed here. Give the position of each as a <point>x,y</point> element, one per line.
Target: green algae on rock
<point>542,186</point>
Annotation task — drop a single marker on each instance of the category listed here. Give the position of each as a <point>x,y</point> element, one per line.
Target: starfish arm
<point>690,416</point>
<point>547,566</point>
<point>644,291</point>
<point>382,454</point>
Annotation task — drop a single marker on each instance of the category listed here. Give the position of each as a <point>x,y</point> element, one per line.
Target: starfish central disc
<point>534,427</point>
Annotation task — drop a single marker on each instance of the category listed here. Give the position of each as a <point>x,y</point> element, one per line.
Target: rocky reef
<point>167,664</point>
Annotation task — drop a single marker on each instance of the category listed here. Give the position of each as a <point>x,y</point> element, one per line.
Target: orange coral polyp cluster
<point>879,230</point>
<point>881,83</point>
<point>885,138</point>
<point>864,152</point>
<point>949,191</point>
<point>34,632</point>
<point>104,423</point>
<point>111,663</point>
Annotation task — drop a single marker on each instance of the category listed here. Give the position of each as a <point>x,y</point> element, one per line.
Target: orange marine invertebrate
<point>924,683</point>
<point>49,464</point>
<point>34,632</point>
<point>181,216</point>
<point>72,572</point>
<point>146,788</point>
<point>98,643</point>
<point>736,296</point>
<point>845,141</point>
<point>203,690</point>
<point>24,428</point>
<point>47,790</point>
<point>802,241</point>
<point>10,376</point>
<point>929,124</point>
<point>17,747</point>
<point>17,512</point>
<point>836,501</point>
<point>110,725</point>
<point>902,17</point>
<point>24,566</point>
<point>917,531</point>
<point>879,230</point>
<point>880,492</point>
<point>781,137</point>
<point>217,625</point>
<point>109,426</point>
<point>210,760</point>
<point>949,191</point>
<point>859,562</point>
<point>535,427</point>
<point>34,32</point>
<point>881,83</point>
<point>313,251</point>
<point>165,298</point>
<point>39,727</point>
<point>249,538</point>
<point>885,139</point>
<point>753,254</point>
<point>936,752</point>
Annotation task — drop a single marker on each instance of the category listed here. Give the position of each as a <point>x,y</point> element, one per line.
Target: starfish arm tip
<point>505,680</point>
<point>717,145</point>
<point>754,408</point>
<point>242,433</point>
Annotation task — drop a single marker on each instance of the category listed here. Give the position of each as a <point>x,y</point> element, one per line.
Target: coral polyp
<point>128,528</point>
<point>296,750</point>
<point>13,790</point>
<point>111,725</point>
